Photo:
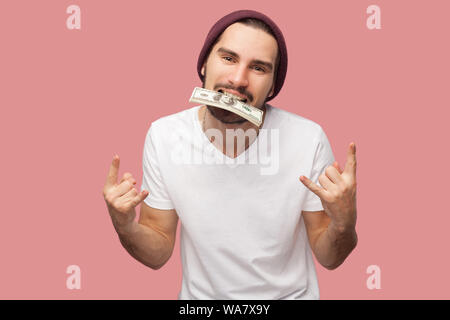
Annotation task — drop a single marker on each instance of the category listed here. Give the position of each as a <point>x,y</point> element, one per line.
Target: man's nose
<point>239,77</point>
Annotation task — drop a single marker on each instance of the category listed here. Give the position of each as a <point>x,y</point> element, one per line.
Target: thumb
<point>311,186</point>
<point>140,197</point>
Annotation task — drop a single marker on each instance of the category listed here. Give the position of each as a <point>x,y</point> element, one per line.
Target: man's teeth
<point>234,96</point>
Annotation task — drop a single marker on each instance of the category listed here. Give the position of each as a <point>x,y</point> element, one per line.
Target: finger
<point>311,186</point>
<point>336,165</point>
<point>140,197</point>
<point>127,199</point>
<point>111,179</point>
<point>333,174</point>
<point>129,195</point>
<point>350,165</point>
<point>121,189</point>
<point>326,183</point>
<point>128,176</point>
<point>134,197</point>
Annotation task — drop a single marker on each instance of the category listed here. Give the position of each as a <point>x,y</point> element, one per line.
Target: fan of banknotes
<point>227,101</point>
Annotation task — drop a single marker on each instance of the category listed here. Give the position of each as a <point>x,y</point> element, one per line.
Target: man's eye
<point>228,58</point>
<point>257,68</point>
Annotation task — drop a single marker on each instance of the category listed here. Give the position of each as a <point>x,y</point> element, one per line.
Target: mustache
<point>238,89</point>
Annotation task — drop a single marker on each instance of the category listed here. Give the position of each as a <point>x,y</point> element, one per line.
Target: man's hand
<point>338,192</point>
<point>121,199</point>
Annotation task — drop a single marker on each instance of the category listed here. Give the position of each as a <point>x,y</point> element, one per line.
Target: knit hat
<point>231,18</point>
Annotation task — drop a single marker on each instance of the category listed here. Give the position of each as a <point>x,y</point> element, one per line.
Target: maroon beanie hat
<point>231,18</point>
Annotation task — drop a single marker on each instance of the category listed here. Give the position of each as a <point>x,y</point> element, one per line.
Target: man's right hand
<point>121,199</point>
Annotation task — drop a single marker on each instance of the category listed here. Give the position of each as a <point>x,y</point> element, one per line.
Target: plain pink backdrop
<point>70,99</point>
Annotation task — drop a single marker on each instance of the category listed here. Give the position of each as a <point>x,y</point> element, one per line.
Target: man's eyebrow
<point>228,51</point>
<point>256,61</point>
<point>268,65</point>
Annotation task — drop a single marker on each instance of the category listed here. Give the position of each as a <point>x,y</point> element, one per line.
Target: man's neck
<point>233,146</point>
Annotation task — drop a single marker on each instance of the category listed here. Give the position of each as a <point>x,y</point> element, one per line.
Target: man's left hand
<point>338,192</point>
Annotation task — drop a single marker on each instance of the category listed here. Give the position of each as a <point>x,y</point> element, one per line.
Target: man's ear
<point>272,90</point>
<point>202,71</point>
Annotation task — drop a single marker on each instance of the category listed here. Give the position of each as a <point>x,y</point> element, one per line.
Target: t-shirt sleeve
<point>152,179</point>
<point>322,159</point>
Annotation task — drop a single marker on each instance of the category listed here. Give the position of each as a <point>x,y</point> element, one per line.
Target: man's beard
<point>225,116</point>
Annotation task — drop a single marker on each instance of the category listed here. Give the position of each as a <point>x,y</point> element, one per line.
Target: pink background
<point>70,99</point>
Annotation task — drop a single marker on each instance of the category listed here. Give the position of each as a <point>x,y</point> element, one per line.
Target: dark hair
<point>257,24</point>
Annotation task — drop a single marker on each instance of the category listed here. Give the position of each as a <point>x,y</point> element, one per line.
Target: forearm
<point>333,246</point>
<point>145,244</point>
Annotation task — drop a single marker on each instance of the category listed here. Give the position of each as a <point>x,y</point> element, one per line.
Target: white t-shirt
<point>242,232</point>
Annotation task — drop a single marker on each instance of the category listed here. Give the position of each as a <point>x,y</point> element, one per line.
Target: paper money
<point>228,102</point>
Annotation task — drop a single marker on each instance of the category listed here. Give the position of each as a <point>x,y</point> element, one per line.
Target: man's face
<point>242,62</point>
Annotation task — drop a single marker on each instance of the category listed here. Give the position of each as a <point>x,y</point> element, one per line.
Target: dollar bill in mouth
<point>244,100</point>
<point>228,101</point>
